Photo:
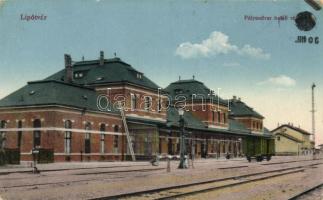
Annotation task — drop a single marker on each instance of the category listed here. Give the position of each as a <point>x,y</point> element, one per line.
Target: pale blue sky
<point>146,34</point>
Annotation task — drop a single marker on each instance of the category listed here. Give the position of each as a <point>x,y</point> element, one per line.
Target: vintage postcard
<point>161,99</point>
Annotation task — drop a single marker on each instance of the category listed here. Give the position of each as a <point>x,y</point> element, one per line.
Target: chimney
<point>68,69</point>
<point>239,99</point>
<point>101,58</point>
<point>234,97</point>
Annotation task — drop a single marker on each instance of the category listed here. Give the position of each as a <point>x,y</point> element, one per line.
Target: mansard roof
<point>240,109</point>
<point>113,71</point>
<point>51,92</point>
<point>191,87</point>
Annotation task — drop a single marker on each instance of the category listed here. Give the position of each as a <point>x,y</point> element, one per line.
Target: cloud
<point>253,52</point>
<point>231,64</point>
<point>280,80</point>
<point>217,43</point>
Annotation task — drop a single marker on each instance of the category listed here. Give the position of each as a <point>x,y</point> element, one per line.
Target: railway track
<point>308,191</point>
<point>82,180</point>
<point>69,169</point>
<point>183,190</point>
<point>234,167</point>
<point>292,161</point>
<point>169,192</point>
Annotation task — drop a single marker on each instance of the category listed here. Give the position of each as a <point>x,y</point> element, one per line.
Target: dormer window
<point>32,92</point>
<point>139,76</point>
<point>78,75</point>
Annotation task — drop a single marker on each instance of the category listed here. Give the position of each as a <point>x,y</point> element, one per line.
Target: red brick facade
<point>53,132</point>
<point>126,93</point>
<point>254,124</point>
<point>83,132</point>
<point>212,115</point>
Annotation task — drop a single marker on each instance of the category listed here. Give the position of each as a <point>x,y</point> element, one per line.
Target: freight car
<point>258,148</point>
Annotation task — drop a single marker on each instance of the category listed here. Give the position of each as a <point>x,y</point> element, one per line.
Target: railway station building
<point>291,140</point>
<point>73,115</point>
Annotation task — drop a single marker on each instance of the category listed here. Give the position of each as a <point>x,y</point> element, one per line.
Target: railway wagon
<point>258,148</point>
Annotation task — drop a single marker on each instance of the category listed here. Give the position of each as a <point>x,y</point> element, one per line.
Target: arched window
<point>147,102</point>
<point>224,118</point>
<point>37,132</point>
<point>116,139</point>
<point>133,102</point>
<point>68,137</point>
<point>19,133</point>
<point>102,137</point>
<point>3,124</point>
<point>87,141</point>
<point>219,117</point>
<point>159,106</point>
<point>116,128</point>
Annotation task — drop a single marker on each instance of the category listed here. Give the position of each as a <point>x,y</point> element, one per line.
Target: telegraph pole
<point>313,116</point>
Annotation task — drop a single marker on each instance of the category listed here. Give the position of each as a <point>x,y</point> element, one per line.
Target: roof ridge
<point>300,129</point>
<point>294,128</point>
<point>187,81</point>
<point>97,61</point>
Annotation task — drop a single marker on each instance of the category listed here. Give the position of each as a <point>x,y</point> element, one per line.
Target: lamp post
<point>240,146</point>
<point>182,164</point>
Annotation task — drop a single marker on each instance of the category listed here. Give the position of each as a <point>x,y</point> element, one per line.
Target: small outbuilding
<point>291,140</point>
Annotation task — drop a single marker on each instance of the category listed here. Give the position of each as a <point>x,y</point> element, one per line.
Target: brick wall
<point>252,124</point>
<point>205,113</point>
<point>124,93</point>
<point>54,139</point>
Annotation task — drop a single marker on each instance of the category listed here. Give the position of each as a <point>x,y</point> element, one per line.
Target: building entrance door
<point>203,149</point>
<point>87,146</point>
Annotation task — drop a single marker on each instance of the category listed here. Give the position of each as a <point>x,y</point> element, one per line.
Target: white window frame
<point>102,140</point>
<point>3,134</point>
<point>68,138</point>
<point>148,100</point>
<point>133,101</point>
